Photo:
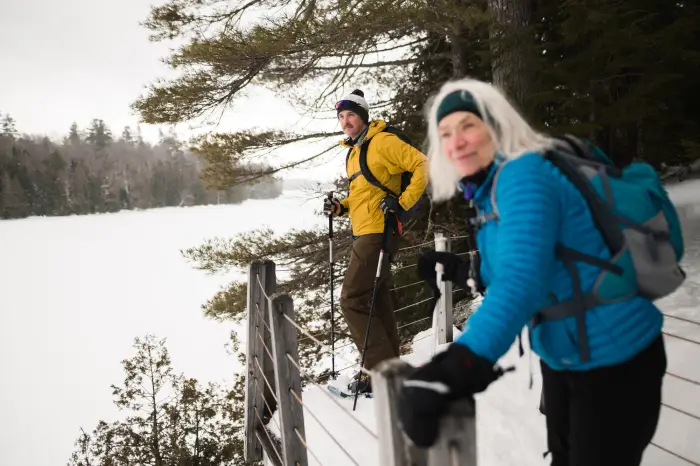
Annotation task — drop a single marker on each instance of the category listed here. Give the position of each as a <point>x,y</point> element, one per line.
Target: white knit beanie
<point>355,102</point>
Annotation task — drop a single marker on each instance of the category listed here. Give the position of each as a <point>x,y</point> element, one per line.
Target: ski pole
<point>382,252</point>
<point>330,265</point>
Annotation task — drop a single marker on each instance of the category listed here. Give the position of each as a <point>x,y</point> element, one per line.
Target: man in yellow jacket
<point>387,158</point>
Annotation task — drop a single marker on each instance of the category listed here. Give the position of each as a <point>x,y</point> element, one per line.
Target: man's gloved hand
<point>455,269</point>
<point>451,375</point>
<point>390,204</point>
<point>332,206</point>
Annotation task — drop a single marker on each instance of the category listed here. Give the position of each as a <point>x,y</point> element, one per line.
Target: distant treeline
<point>90,171</point>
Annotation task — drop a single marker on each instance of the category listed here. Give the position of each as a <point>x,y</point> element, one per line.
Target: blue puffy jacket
<point>537,207</point>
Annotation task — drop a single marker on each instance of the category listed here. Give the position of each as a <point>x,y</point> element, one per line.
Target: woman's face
<point>467,142</point>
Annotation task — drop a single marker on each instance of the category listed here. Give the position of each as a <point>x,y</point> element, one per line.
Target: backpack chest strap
<point>581,301</point>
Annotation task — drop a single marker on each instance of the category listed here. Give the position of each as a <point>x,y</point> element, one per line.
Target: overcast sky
<point>75,60</point>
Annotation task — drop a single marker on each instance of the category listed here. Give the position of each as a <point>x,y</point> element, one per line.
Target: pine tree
<point>9,128</point>
<point>14,201</point>
<point>170,419</point>
<point>99,135</point>
<point>127,137</point>
<point>139,137</point>
<point>74,135</point>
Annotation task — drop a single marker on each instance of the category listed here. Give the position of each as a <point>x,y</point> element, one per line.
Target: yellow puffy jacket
<point>387,158</point>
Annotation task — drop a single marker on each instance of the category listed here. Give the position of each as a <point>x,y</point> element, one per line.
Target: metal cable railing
<point>318,421</point>
<point>303,442</point>
<point>414,246</point>
<point>413,305</point>
<point>333,399</point>
<point>685,379</point>
<point>397,288</point>
<point>672,453</point>
<point>322,345</point>
<point>686,339</point>
<point>682,319</point>
<point>267,432</point>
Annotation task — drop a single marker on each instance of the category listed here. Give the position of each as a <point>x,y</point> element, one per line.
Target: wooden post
<point>269,446</point>
<point>253,450</point>
<point>258,396</point>
<point>456,443</point>
<point>444,317</point>
<point>288,379</point>
<point>268,280</point>
<point>395,449</point>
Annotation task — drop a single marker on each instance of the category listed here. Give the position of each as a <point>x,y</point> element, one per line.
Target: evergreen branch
<point>377,50</point>
<point>272,171</point>
<point>377,64</point>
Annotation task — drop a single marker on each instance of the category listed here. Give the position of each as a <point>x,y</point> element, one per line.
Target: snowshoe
<point>345,393</point>
<point>363,384</point>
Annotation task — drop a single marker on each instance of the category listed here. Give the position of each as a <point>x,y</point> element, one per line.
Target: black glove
<point>451,375</point>
<point>332,206</point>
<point>455,269</point>
<point>390,204</point>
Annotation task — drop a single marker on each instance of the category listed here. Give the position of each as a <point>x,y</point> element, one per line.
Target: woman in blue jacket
<point>602,405</point>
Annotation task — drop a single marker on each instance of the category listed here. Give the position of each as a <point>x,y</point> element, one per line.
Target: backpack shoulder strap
<point>578,165</point>
<point>398,133</point>
<point>354,175</point>
<point>482,218</point>
<point>494,185</point>
<point>364,168</point>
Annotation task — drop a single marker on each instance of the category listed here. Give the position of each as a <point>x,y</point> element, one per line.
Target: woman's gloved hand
<point>451,375</point>
<point>455,269</point>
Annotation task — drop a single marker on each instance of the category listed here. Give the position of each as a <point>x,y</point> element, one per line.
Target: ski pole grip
<point>329,195</point>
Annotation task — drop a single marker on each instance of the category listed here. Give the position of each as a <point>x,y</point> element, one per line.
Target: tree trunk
<point>510,47</point>
<point>157,455</point>
<point>460,52</point>
<point>196,437</point>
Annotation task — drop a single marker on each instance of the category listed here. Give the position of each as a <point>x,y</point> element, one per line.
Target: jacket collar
<point>471,191</point>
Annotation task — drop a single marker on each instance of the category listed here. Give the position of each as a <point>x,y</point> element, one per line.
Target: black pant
<point>605,416</point>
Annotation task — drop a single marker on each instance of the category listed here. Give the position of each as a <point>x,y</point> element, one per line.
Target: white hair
<point>511,134</point>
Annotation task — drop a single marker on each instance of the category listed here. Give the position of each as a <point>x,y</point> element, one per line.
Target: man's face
<point>351,123</point>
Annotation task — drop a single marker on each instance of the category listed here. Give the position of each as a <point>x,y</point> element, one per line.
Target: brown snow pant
<point>356,296</point>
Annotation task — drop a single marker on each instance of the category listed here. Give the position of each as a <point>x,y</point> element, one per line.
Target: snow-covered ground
<point>75,291</point>
<point>510,429</point>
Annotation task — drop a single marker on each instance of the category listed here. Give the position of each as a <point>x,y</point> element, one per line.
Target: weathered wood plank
<point>253,450</point>
<point>268,280</point>
<point>291,413</point>
<point>395,448</point>
<point>456,444</point>
<point>269,446</point>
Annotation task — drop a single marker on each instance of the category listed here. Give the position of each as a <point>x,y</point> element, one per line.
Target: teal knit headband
<point>457,101</point>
